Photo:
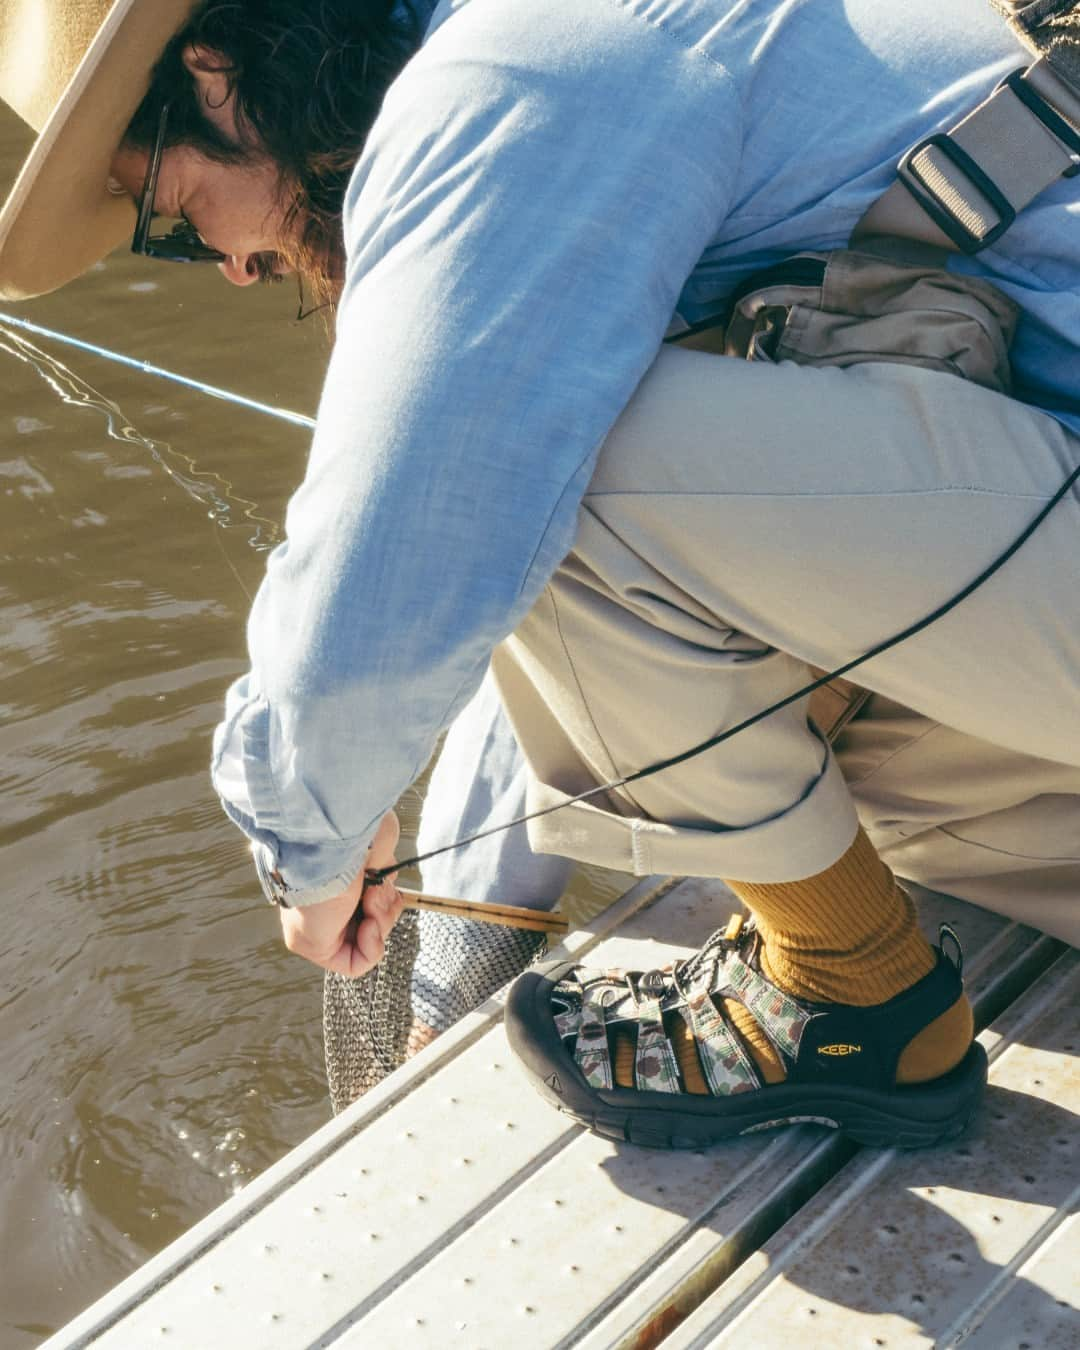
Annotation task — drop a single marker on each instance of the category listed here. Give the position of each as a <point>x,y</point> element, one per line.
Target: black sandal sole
<point>903,1117</point>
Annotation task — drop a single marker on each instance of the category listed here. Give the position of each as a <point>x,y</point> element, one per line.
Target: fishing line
<point>377,875</point>
<point>201,485</point>
<point>297,419</point>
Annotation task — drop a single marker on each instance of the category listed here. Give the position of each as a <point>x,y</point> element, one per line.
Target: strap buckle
<point>942,197</point>
<point>1048,115</point>
<point>934,206</point>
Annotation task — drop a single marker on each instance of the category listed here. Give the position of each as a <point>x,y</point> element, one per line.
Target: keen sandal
<point>563,1020</point>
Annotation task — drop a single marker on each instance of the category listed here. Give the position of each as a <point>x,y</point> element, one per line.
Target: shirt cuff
<point>278,891</point>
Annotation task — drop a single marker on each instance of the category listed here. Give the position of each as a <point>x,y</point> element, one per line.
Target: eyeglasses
<point>182,242</point>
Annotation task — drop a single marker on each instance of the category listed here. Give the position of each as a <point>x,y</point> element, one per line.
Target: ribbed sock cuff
<point>847,935</point>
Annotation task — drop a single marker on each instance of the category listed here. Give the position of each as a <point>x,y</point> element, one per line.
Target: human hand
<point>330,935</point>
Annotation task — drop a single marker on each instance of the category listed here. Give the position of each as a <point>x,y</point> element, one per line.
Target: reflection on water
<point>209,488</point>
<point>160,1047</point>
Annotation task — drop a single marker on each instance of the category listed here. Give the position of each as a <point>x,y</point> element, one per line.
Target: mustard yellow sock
<point>849,935</point>
<point>685,1047</point>
<point>846,935</point>
<point>940,1046</point>
<point>623,1068</point>
<point>756,1044</point>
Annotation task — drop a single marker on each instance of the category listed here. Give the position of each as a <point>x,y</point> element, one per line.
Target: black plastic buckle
<point>1051,119</point>
<point>942,217</point>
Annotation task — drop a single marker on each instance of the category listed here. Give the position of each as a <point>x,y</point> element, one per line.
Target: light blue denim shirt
<point>549,183</point>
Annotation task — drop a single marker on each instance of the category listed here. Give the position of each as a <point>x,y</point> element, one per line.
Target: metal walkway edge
<point>452,1207</point>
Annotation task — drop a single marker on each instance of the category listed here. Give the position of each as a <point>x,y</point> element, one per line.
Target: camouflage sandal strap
<point>728,1069</point>
<point>655,1066</point>
<point>592,1054</point>
<point>782,1019</point>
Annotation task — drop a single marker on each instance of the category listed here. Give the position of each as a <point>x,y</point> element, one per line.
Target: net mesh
<point>435,970</point>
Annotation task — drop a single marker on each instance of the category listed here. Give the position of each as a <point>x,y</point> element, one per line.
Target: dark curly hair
<point>309,77</point>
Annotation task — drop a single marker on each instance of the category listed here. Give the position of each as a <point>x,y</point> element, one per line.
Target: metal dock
<point>452,1207</point>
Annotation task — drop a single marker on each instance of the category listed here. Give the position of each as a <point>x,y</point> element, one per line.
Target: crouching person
<point>518,203</point>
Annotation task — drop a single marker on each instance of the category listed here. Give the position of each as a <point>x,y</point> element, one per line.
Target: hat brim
<point>60,218</point>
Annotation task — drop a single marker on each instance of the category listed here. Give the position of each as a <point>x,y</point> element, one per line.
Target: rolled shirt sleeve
<point>542,179</point>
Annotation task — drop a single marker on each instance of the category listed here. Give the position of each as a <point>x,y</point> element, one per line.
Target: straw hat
<point>75,70</point>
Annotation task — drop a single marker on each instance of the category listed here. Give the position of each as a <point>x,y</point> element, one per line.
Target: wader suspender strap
<point>962,189</point>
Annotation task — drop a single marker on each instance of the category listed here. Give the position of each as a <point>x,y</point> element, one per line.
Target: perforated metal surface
<point>257,1255</point>
<point>451,1206</point>
<point>962,1244</point>
<point>1039,1306</point>
<point>570,1240</point>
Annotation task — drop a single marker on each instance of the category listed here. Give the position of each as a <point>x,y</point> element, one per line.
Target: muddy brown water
<point>159,1047</point>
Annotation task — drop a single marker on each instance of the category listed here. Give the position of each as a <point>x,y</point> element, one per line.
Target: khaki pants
<point>746,521</point>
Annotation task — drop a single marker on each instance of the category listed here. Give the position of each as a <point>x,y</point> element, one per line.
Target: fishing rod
<point>148,368</point>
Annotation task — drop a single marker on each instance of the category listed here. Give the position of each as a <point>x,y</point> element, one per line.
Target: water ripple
<point>208,488</point>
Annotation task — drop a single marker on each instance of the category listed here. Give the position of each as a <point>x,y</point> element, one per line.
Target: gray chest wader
<point>886,298</point>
